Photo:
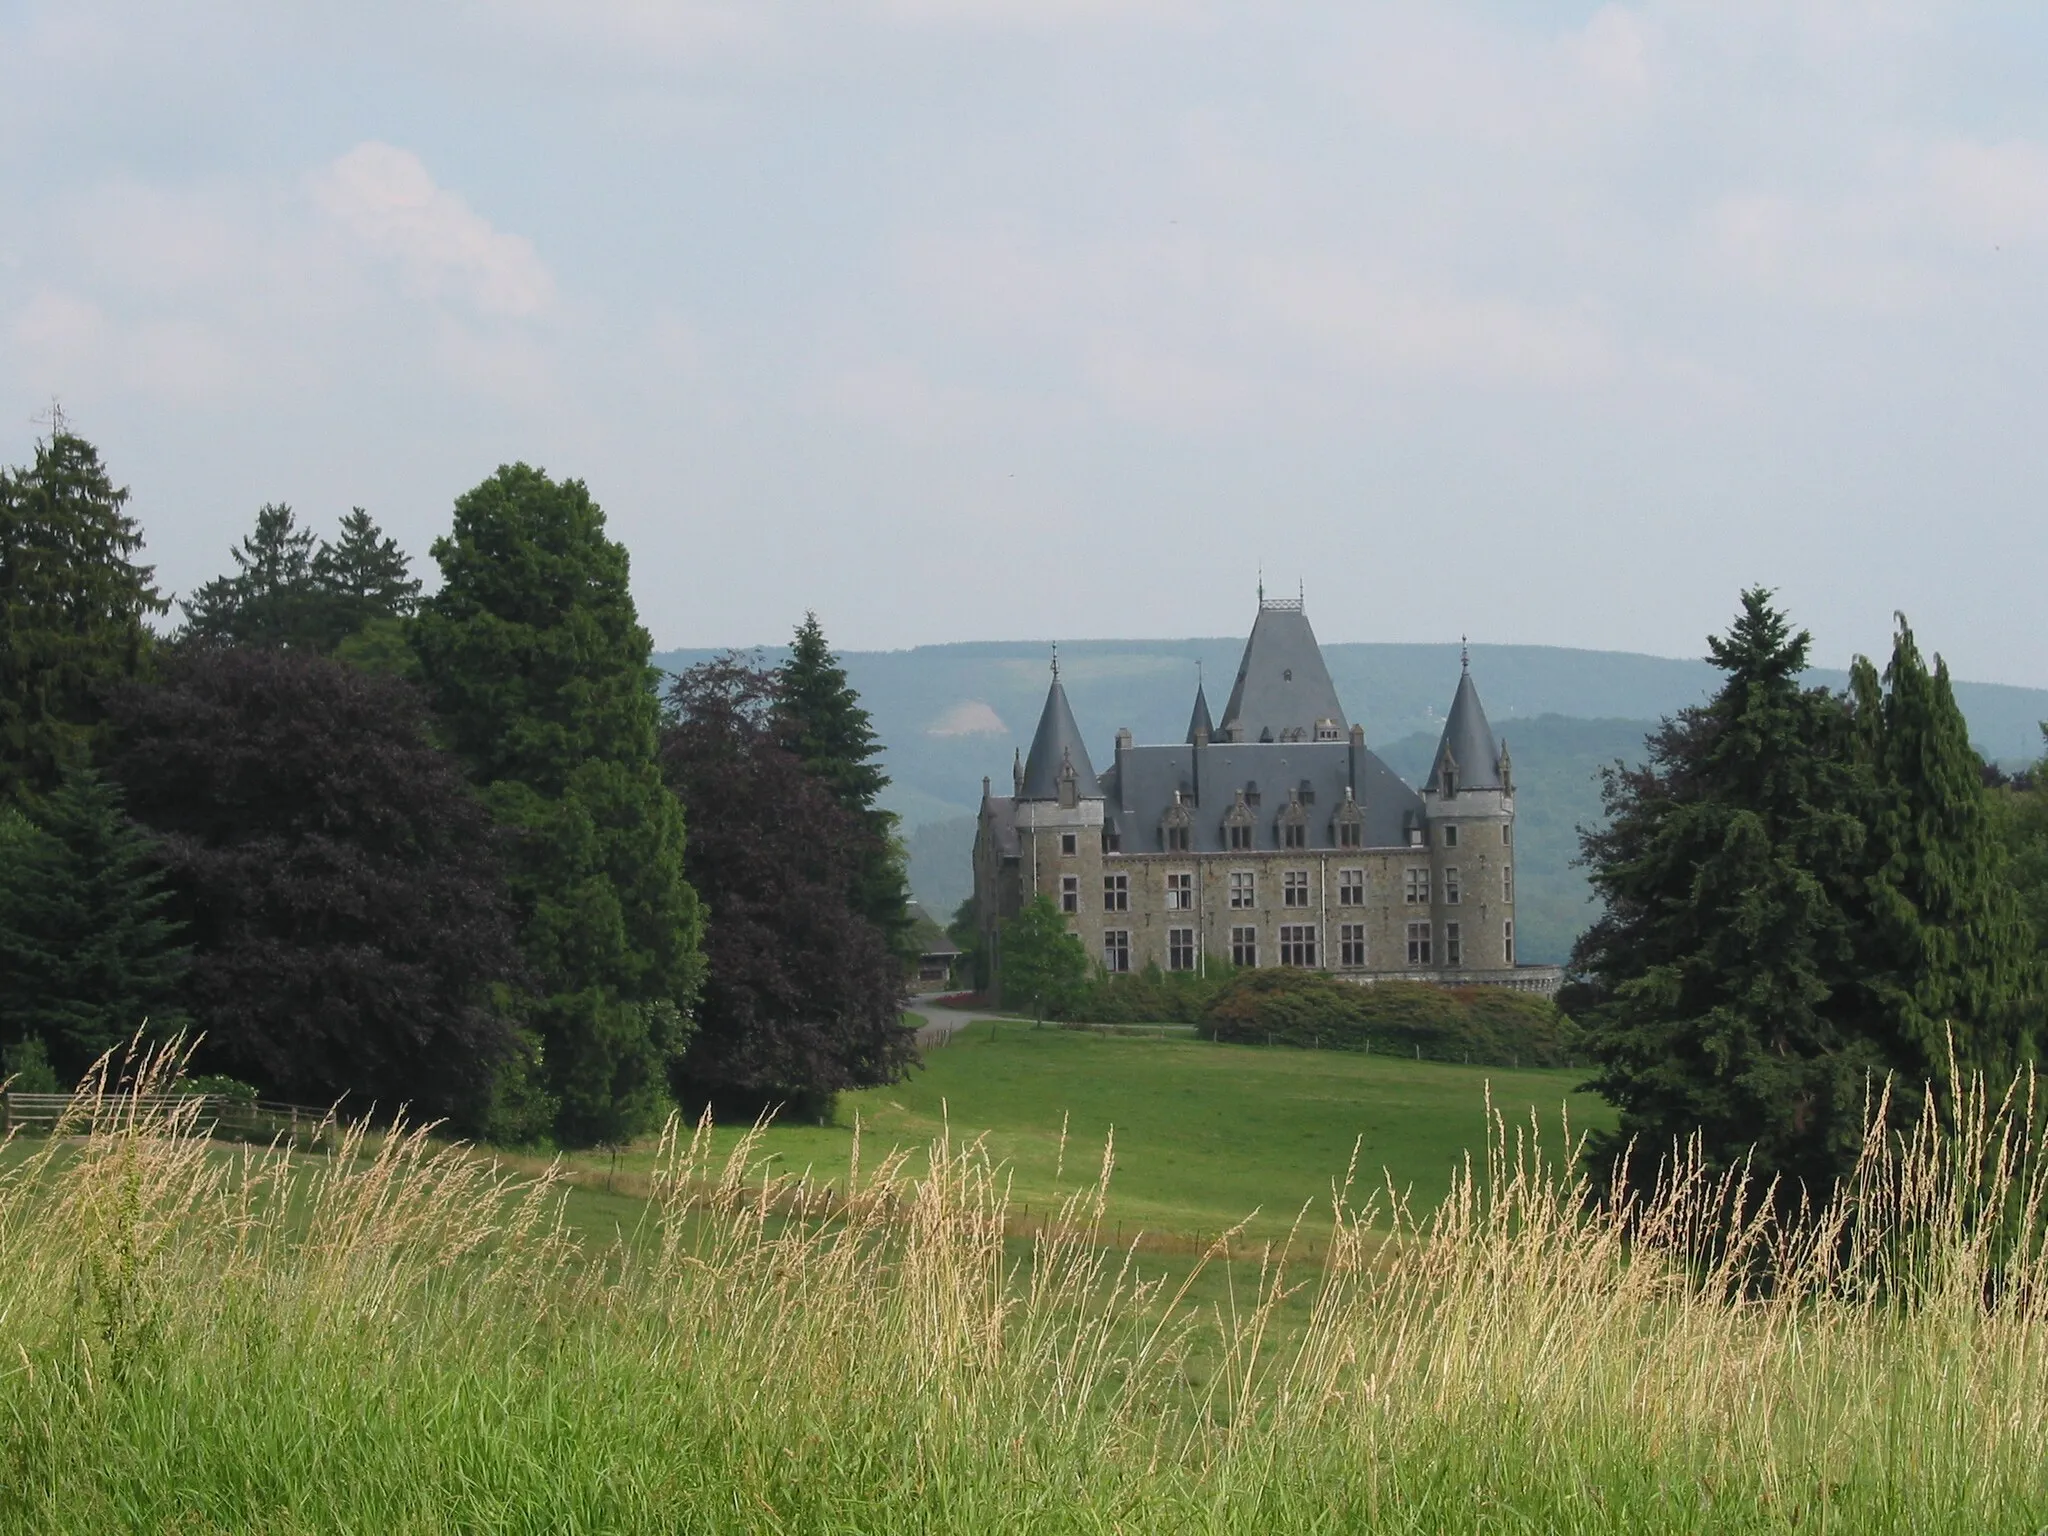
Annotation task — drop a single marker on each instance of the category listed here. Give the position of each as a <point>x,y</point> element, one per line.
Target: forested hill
<point>949,714</point>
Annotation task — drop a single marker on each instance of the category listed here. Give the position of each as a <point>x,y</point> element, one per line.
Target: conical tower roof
<point>1468,740</point>
<point>1058,742</point>
<point>1199,723</point>
<point>1282,685</point>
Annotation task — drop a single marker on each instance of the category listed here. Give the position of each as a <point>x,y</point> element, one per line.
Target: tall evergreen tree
<point>539,669</point>
<point>271,599</point>
<point>1723,969</point>
<point>363,578</point>
<point>802,994</point>
<point>89,952</point>
<point>1950,962</point>
<point>824,725</point>
<point>73,609</point>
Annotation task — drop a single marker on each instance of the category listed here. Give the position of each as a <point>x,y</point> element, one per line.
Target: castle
<point>1276,839</point>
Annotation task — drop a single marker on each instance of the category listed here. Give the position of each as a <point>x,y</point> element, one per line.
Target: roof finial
<point>1301,591</point>
<point>1464,653</point>
<point>1055,661</point>
<point>1262,585</point>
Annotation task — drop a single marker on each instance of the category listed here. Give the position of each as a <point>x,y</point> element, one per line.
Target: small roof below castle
<point>1283,688</point>
<point>1469,741</point>
<point>1058,742</point>
<point>1199,722</point>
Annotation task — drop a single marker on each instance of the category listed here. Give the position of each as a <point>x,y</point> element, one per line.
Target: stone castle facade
<point>1277,838</point>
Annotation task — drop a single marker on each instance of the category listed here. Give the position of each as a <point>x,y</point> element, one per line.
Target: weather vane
<point>1055,661</point>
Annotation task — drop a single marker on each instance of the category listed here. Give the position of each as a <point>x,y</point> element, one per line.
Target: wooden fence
<point>215,1115</point>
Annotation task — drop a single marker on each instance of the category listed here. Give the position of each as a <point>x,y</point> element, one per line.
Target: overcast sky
<point>977,319</point>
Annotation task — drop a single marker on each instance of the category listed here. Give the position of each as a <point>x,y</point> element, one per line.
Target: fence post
<point>6,1113</point>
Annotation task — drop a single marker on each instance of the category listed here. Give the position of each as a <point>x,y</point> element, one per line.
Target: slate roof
<point>1199,720</point>
<point>1469,740</point>
<point>1282,684</point>
<point>1058,739</point>
<point>1144,779</point>
<point>1001,813</point>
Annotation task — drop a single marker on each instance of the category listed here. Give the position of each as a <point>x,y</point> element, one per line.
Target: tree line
<point>459,852</point>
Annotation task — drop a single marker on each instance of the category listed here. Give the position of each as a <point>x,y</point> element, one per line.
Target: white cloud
<point>385,198</point>
<point>1041,14</point>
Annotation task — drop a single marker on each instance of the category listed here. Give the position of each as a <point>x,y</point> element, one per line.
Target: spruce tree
<point>1950,960</point>
<point>73,609</point>
<point>363,578</point>
<point>1723,968</point>
<point>540,672</point>
<point>271,599</point>
<point>90,953</point>
<point>824,725</point>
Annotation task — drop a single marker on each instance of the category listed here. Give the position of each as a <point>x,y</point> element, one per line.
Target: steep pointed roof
<point>1283,688</point>
<point>1468,740</point>
<point>1058,741</point>
<point>1199,721</point>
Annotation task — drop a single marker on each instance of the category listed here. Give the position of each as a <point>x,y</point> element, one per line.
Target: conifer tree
<point>824,725</point>
<point>271,599</point>
<point>363,577</point>
<point>1723,969</point>
<point>89,952</point>
<point>540,671</point>
<point>73,609</point>
<point>1950,959</point>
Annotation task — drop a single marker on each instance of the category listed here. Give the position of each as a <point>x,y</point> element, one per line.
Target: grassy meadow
<point>1206,1137</point>
<point>396,1338</point>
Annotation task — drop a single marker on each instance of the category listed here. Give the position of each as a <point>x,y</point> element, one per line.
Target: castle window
<point>1507,942</point>
<point>1295,888</point>
<point>1298,944</point>
<point>1240,837</point>
<point>1244,888</point>
<point>1180,949</point>
<point>1112,839</point>
<point>1116,950</point>
<point>1507,883</point>
<point>1178,839</point>
<point>1418,944</point>
<point>1244,946</point>
<point>1350,887</point>
<point>1454,946</point>
<point>1294,835</point>
<point>1180,893</point>
<point>1507,835</point>
<point>1451,887</point>
<point>1070,893</point>
<point>1070,843</point>
<point>1350,834</point>
<point>1351,945</point>
<point>1416,887</point>
<point>1451,836</point>
<point>1116,893</point>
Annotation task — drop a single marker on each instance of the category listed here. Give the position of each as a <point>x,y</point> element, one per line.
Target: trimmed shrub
<point>1489,1025</point>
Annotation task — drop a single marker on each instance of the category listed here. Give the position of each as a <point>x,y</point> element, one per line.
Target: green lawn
<point>1205,1134</point>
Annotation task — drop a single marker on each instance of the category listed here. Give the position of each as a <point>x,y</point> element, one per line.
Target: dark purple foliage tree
<point>803,994</point>
<point>338,881</point>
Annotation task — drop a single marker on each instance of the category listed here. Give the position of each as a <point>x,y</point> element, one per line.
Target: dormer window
<point>1293,822</point>
<point>1238,822</point>
<point>1176,827</point>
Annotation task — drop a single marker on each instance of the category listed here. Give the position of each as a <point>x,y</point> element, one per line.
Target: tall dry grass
<point>399,1338</point>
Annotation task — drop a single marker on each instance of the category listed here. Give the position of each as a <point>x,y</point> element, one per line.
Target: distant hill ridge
<point>949,714</point>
